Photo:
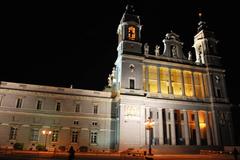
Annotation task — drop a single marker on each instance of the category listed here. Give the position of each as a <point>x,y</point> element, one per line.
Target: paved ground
<point>92,156</point>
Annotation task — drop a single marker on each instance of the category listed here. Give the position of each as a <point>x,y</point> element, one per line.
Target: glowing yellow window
<point>152,75</point>
<point>198,81</point>
<point>188,83</point>
<point>164,80</point>
<point>176,81</point>
<point>206,86</point>
<point>202,124</point>
<point>131,33</point>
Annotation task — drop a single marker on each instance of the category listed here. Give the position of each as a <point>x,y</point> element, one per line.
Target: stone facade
<point>185,97</point>
<point>72,115</point>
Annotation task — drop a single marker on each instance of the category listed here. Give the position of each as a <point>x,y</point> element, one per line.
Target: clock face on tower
<point>132,33</point>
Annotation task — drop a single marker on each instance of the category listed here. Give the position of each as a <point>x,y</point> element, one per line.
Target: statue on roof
<point>190,56</point>
<point>146,49</point>
<point>112,77</point>
<point>157,50</point>
<point>174,51</point>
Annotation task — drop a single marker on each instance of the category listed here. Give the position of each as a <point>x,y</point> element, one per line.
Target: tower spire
<point>130,9</point>
<point>201,24</point>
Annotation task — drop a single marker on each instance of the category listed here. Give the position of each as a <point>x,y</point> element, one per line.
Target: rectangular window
<point>198,81</point>
<point>206,85</point>
<point>219,93</point>
<point>39,105</point>
<point>94,123</point>
<point>157,115</point>
<point>132,84</point>
<point>19,103</point>
<point>77,108</point>
<point>58,108</point>
<point>55,136</point>
<point>95,109</point>
<point>193,117</point>
<point>75,122</point>
<point>188,83</point>
<point>13,133</point>
<point>93,138</point>
<point>35,134</point>
<point>164,80</point>
<point>151,114</point>
<point>152,79</point>
<point>176,79</point>
<point>74,136</point>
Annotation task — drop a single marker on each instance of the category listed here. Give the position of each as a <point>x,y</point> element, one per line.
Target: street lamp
<point>46,133</point>
<point>149,126</point>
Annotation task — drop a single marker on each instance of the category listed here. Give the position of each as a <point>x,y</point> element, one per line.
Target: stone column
<point>173,133</point>
<point>209,141</point>
<point>170,81</point>
<point>160,122</point>
<point>153,129</point>
<point>158,80</point>
<point>215,128</point>
<point>147,109</point>
<point>183,86</point>
<point>142,126</point>
<point>196,119</point>
<point>167,125</point>
<point>146,78</point>
<point>193,85</point>
<point>186,128</point>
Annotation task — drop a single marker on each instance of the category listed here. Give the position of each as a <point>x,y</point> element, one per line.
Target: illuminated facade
<point>185,96</point>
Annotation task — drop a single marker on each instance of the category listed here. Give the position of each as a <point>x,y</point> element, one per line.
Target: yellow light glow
<point>188,83</point>
<point>131,33</point>
<point>198,81</point>
<point>202,125</point>
<point>149,124</point>
<point>152,75</point>
<point>152,70</point>
<point>164,80</point>
<point>46,132</point>
<point>153,86</point>
<point>176,81</point>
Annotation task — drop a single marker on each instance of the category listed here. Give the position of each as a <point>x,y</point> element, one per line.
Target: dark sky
<point>61,44</point>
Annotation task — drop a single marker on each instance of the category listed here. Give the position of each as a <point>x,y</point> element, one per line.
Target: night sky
<point>61,44</point>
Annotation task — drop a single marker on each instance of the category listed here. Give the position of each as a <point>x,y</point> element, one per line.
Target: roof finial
<point>130,9</point>
<point>200,16</point>
<point>201,24</point>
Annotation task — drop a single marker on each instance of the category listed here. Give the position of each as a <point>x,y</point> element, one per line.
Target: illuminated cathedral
<point>183,94</point>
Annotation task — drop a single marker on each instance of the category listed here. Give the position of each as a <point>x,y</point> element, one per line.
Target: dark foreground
<point>33,155</point>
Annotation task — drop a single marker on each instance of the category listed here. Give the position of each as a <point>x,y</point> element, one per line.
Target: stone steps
<point>167,149</point>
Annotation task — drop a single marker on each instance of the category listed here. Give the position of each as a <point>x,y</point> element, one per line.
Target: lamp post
<point>149,126</point>
<point>46,133</point>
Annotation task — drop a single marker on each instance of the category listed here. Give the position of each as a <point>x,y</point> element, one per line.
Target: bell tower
<point>130,56</point>
<point>205,46</point>
<point>129,33</point>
